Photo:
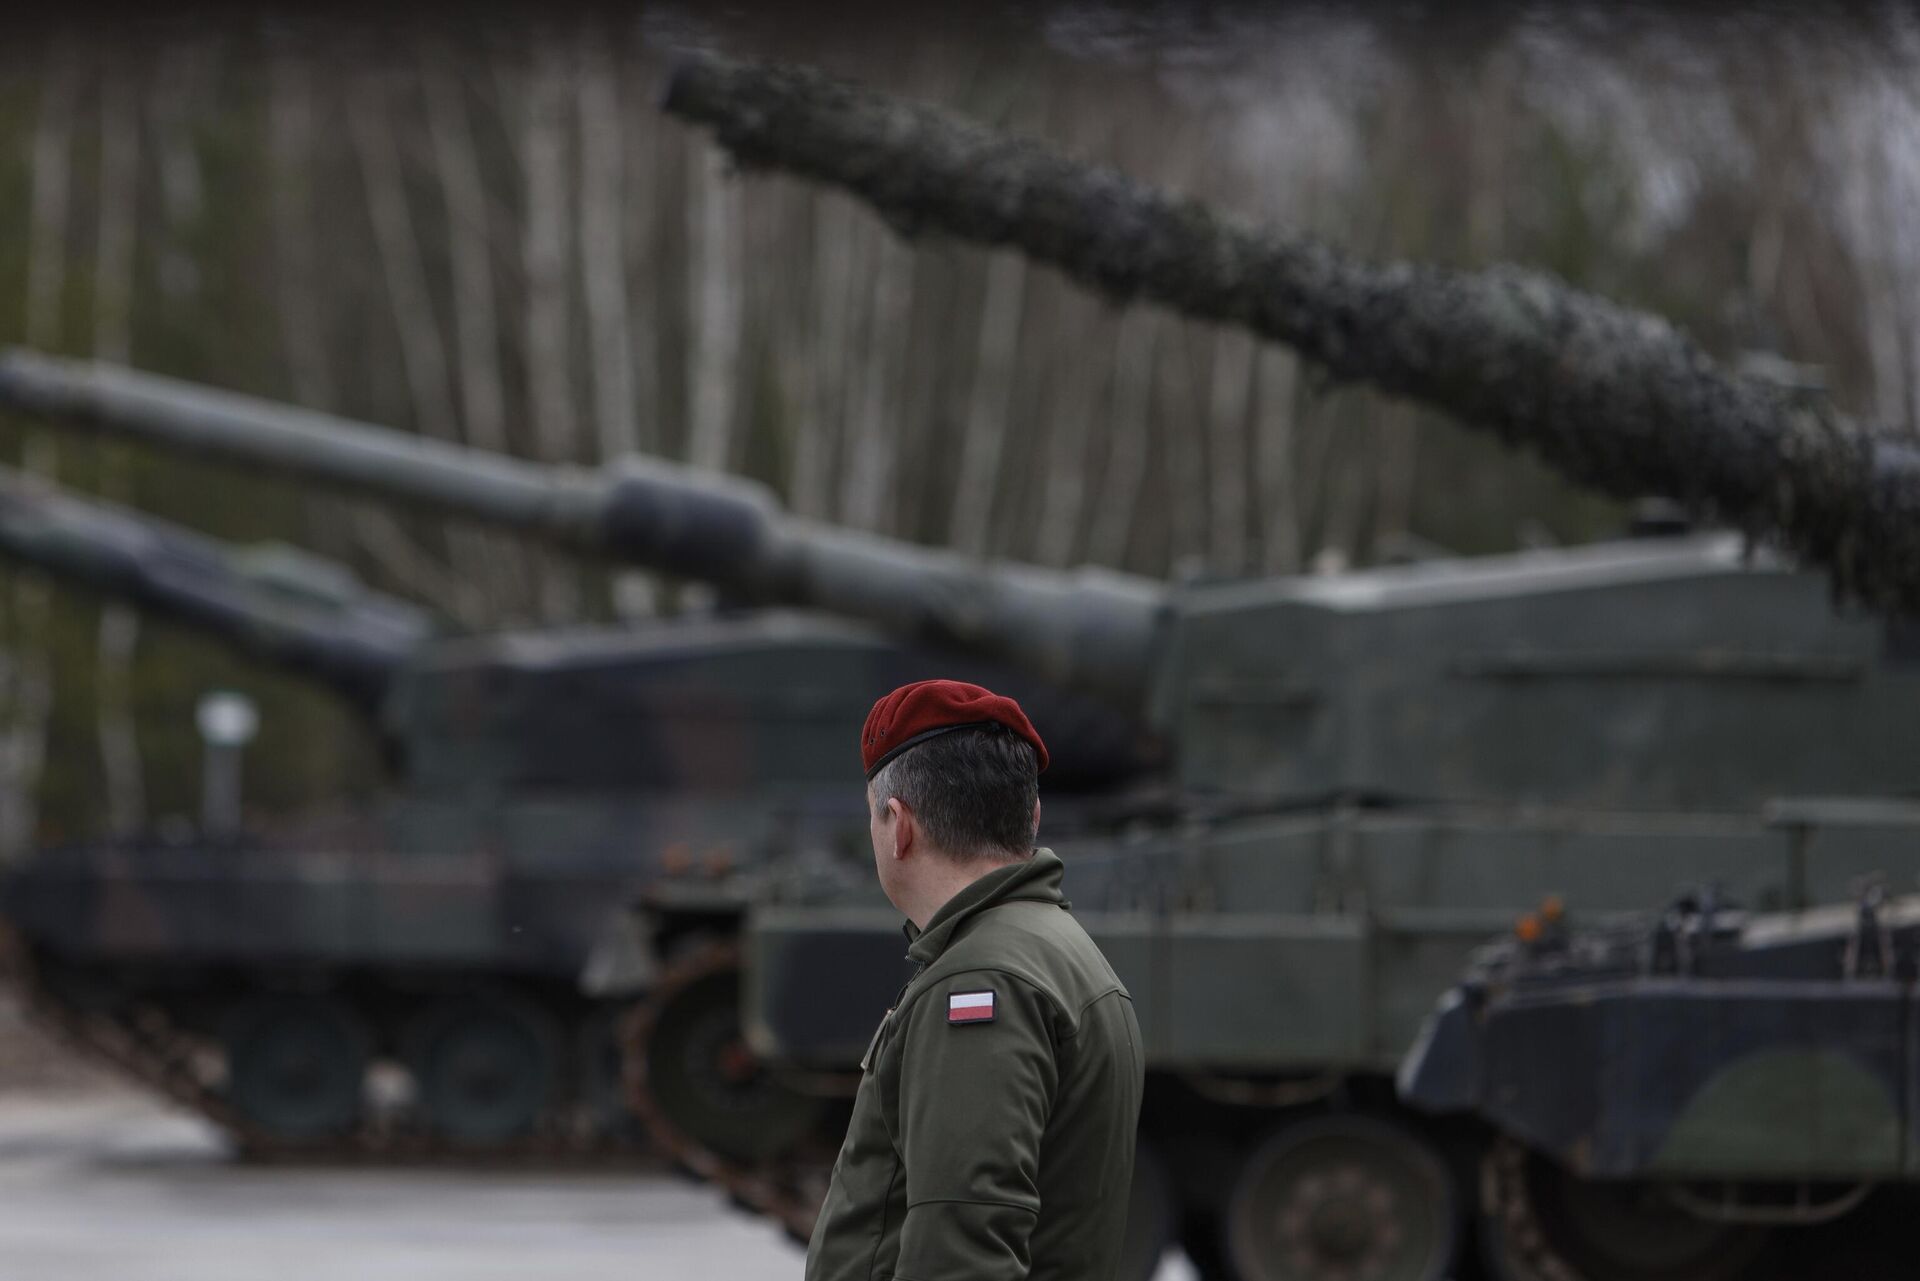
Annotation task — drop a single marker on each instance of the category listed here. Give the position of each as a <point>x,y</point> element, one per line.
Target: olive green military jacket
<point>992,1136</point>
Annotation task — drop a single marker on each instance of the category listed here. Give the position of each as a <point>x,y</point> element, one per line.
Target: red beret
<point>926,709</point>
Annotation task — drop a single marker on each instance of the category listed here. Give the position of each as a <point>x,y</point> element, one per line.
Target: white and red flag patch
<point>970,1007</point>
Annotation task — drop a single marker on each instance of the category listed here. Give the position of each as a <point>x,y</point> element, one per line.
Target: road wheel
<point>1541,1223</point>
<point>296,1065</point>
<point>484,1066</point>
<point>1342,1198</point>
<point>697,1080</point>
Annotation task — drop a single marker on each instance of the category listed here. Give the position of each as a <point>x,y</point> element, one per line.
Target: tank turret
<point>283,607</point>
<point>1091,628</point>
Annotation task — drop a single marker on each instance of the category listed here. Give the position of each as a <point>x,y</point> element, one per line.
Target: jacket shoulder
<point>1039,944</point>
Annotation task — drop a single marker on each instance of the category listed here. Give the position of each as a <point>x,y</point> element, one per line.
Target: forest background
<point>480,228</point>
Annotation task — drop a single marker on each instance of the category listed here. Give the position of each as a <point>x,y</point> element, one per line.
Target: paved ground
<point>109,1186</point>
<point>99,1183</point>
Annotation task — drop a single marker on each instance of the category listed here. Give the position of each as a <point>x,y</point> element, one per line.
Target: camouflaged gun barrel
<point>1611,397</point>
<point>1091,628</point>
<point>321,624</point>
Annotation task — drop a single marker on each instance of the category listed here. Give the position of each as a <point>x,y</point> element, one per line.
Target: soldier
<point>992,1136</point>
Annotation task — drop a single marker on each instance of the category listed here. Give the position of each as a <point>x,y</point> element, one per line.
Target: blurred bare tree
<point>25,674</point>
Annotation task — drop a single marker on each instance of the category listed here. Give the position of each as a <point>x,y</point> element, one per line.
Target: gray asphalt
<point>111,1186</point>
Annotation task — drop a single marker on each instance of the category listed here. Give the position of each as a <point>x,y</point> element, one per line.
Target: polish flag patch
<point>970,1007</point>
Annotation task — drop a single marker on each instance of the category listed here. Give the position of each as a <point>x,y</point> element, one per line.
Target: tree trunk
<point>290,125</point>
<point>49,204</point>
<point>823,408</point>
<point>1277,407</point>
<point>1325,479</point>
<point>119,635</point>
<point>1178,409</point>
<point>1394,472</point>
<point>989,403</point>
<point>870,471</point>
<point>1135,347</point>
<point>1345,480</point>
<point>290,195</point>
<point>179,81</point>
<point>1614,398</point>
<point>543,256</point>
<point>469,254</point>
<point>647,145</point>
<point>423,354</point>
<point>1063,499</point>
<point>603,259</point>
<point>1229,396</point>
<point>714,298</point>
<point>27,678</point>
<point>543,161</point>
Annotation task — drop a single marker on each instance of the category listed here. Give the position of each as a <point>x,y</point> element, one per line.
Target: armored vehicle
<point>1370,775</point>
<point>1709,1094</point>
<point>274,980</point>
<point>1378,772</point>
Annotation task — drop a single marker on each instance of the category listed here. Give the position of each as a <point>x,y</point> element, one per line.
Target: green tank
<point>1369,775</point>
<point>537,783</point>
<point>1436,750</point>
<point>1375,773</point>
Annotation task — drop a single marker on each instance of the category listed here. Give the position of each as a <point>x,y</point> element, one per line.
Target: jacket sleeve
<point>974,1100</point>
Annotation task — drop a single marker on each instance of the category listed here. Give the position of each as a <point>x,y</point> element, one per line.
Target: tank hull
<point>1706,1077</point>
<point>482,911</point>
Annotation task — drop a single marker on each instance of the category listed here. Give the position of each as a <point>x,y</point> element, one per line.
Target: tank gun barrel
<point>1091,628</point>
<point>352,643</point>
<point>1612,397</point>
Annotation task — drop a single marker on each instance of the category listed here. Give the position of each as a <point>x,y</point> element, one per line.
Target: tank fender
<point>1442,1070</point>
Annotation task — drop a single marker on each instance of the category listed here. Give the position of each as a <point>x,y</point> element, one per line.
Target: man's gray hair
<point>973,790</point>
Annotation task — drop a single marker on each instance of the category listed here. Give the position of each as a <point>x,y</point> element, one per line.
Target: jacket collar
<point>1035,880</point>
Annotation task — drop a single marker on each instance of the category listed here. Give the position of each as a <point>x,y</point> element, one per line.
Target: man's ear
<point>1035,834</point>
<point>905,830</point>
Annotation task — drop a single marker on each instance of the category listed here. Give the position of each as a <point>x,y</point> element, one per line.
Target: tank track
<point>1532,1255</point>
<point>788,1189</point>
<point>1504,1195</point>
<point>146,1048</point>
